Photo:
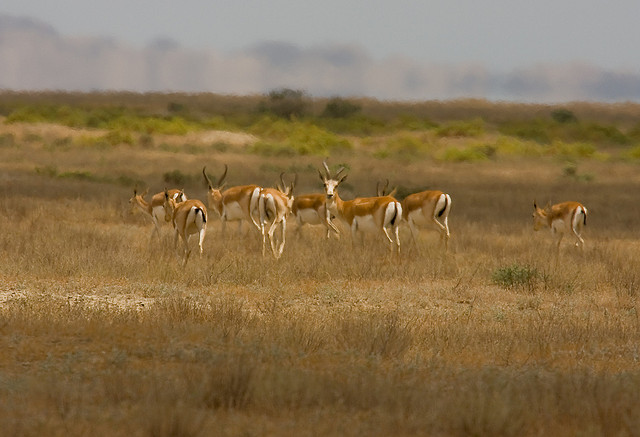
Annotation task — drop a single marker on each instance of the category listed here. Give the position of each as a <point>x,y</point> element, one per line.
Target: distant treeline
<point>298,103</point>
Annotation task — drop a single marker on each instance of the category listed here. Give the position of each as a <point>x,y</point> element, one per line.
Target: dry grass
<point>102,332</point>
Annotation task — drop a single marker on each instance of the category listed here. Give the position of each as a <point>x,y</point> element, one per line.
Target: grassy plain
<point>102,332</point>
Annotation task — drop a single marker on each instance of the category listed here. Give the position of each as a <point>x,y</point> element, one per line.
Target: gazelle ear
<point>535,205</point>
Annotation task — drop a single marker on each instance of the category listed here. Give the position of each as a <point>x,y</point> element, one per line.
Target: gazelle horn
<point>206,178</point>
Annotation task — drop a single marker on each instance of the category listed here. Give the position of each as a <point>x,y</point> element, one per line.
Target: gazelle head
<point>331,182</point>
<point>170,204</point>
<point>288,189</point>
<point>214,193</point>
<point>540,216</point>
<point>382,190</point>
<point>137,199</point>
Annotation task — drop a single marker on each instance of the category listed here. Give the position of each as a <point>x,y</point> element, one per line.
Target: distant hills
<point>34,56</point>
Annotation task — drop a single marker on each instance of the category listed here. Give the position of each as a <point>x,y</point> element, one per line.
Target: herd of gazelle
<point>268,208</point>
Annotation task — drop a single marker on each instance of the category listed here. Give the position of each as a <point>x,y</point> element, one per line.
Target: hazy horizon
<point>126,50</point>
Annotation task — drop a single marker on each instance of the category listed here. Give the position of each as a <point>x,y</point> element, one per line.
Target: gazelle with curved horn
<point>312,209</point>
<point>188,218</point>
<point>381,190</point>
<point>155,208</point>
<point>428,208</point>
<point>569,217</point>
<point>275,206</point>
<point>233,204</point>
<point>375,215</point>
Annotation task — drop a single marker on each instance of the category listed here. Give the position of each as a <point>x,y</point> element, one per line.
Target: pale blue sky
<point>498,34</point>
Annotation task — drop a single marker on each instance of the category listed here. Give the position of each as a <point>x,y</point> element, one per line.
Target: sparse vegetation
<point>103,332</point>
<point>516,276</point>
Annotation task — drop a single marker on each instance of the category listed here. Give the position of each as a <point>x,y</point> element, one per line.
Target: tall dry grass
<point>103,332</point>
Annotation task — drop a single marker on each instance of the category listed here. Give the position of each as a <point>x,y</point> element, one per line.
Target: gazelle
<point>155,208</point>
<point>312,208</point>
<point>234,204</point>
<point>188,218</point>
<point>381,190</point>
<point>428,208</point>
<point>560,218</point>
<point>366,214</point>
<point>274,206</point>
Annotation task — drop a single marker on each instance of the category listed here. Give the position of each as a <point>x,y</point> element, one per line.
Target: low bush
<point>516,276</point>
<point>469,128</point>
<point>470,153</point>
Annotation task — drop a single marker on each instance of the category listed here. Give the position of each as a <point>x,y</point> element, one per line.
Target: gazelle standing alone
<point>560,218</point>
<point>375,215</point>
<point>155,208</point>
<point>312,208</point>
<point>188,218</point>
<point>428,208</point>
<point>234,204</point>
<point>274,206</point>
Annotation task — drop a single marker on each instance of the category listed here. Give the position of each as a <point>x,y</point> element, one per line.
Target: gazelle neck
<point>143,205</point>
<point>335,204</point>
<point>215,200</point>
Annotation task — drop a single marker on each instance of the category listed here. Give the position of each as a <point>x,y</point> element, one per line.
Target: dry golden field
<point>103,333</point>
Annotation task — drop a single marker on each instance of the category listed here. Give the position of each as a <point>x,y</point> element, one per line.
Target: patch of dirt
<point>221,136</point>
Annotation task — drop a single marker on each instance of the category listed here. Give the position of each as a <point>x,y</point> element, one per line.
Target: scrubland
<point>103,332</point>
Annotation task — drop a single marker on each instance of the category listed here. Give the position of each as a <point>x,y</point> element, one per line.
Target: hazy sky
<point>498,34</point>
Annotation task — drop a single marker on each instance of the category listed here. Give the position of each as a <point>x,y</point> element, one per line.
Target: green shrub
<point>297,138</point>
<point>354,125</point>
<point>634,152</point>
<point>469,128</point>
<point>535,130</point>
<point>412,123</point>
<point>563,116</point>
<point>309,139</point>
<point>340,108</point>
<point>406,146</point>
<point>176,178</point>
<point>593,133</point>
<point>516,276</point>
<point>285,102</point>
<point>513,146</point>
<point>572,150</point>
<point>273,128</point>
<point>117,137</point>
<point>79,175</point>
<point>471,153</point>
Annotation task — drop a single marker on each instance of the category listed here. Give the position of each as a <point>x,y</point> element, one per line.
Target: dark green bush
<point>563,116</point>
<point>285,102</point>
<point>340,108</point>
<point>516,276</point>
